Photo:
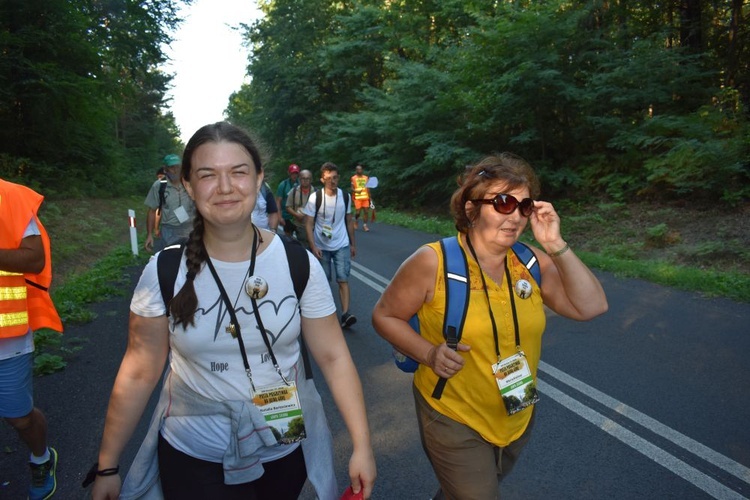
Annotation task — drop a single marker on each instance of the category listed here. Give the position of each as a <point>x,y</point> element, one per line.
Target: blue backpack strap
<point>528,259</point>
<point>455,274</point>
<point>457,291</point>
<point>456,269</point>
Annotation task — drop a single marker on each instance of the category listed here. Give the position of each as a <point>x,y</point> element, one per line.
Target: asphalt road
<point>650,400</point>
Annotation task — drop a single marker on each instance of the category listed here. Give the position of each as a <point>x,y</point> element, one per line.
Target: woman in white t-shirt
<point>237,418</point>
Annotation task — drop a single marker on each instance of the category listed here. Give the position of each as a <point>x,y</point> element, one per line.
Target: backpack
<point>162,190</point>
<point>456,272</point>
<point>319,201</point>
<point>168,264</point>
<point>293,193</point>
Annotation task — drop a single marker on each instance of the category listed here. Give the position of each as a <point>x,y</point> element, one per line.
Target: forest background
<point>634,113</point>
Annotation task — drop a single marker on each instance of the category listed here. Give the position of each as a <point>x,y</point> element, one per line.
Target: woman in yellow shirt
<point>475,428</point>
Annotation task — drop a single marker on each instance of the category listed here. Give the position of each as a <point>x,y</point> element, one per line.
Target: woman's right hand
<point>106,487</point>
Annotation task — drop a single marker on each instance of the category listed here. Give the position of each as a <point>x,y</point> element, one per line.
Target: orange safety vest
<point>24,298</point>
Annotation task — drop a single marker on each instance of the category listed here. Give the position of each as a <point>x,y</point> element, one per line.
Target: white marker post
<point>133,233</point>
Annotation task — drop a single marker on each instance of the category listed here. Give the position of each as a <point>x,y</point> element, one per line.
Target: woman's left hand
<point>545,224</point>
<point>362,471</point>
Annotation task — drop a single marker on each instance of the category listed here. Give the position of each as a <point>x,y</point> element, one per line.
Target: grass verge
<point>90,248</point>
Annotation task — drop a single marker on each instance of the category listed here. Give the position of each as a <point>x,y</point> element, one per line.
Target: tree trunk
<point>690,25</point>
<point>733,47</point>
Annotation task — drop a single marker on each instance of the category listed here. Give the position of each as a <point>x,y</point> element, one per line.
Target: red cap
<point>293,169</point>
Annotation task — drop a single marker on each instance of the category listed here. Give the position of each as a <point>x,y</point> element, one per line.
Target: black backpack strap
<point>162,190</point>
<point>167,265</point>
<point>318,202</point>
<point>299,268</point>
<point>299,265</point>
<point>319,199</point>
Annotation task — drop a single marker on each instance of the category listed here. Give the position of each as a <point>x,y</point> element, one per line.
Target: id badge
<point>327,231</point>
<point>280,406</point>
<point>517,386</point>
<point>181,214</point>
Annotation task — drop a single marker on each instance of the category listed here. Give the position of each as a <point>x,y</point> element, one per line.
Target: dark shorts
<point>183,476</point>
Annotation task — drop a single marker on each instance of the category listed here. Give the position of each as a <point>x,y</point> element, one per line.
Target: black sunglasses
<point>507,204</point>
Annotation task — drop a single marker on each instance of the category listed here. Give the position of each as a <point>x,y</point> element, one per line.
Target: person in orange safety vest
<point>25,306</point>
<point>361,197</point>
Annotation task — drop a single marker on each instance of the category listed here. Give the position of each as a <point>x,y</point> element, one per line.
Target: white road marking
<point>661,457</point>
<point>717,459</point>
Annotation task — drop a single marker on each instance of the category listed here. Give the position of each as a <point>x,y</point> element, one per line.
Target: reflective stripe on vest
<point>14,315</point>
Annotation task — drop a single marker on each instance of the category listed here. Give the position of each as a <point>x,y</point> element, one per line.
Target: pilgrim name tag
<point>181,214</point>
<point>280,406</point>
<point>516,384</point>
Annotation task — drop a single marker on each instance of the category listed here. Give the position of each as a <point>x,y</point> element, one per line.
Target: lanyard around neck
<point>233,315</point>
<point>335,202</point>
<point>489,305</point>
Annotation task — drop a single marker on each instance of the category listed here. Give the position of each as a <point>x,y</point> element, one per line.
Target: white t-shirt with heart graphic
<point>208,358</point>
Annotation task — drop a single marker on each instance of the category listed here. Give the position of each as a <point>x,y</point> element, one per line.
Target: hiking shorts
<point>16,388</point>
<point>360,204</point>
<point>341,260</point>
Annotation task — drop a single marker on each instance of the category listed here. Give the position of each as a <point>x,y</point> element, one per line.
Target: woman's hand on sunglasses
<point>545,224</point>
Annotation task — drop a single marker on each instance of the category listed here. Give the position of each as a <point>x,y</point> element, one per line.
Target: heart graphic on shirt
<point>267,307</point>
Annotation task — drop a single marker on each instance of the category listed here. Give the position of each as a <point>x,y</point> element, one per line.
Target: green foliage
<point>81,99</point>
<point>601,97</point>
<point>51,349</point>
<point>730,284</point>
<point>296,429</point>
<point>440,224</point>
<point>104,280</point>
<point>46,364</point>
<point>660,236</point>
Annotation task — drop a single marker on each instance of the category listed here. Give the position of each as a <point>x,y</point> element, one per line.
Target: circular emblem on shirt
<point>523,289</point>
<point>256,287</point>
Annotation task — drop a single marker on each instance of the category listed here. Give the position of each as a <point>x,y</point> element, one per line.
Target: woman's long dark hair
<point>185,302</point>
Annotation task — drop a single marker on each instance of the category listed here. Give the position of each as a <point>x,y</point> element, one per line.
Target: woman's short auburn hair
<point>475,182</point>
